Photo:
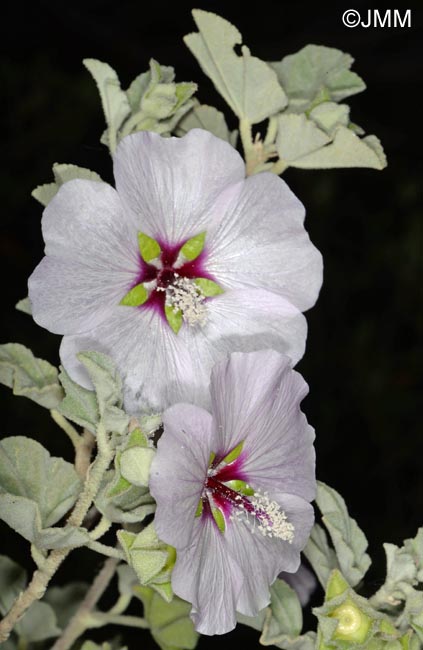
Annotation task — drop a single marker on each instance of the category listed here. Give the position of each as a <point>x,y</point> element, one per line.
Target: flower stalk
<point>46,570</point>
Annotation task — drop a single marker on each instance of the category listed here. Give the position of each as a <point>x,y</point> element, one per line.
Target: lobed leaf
<point>28,376</point>
<point>348,539</point>
<point>248,85</point>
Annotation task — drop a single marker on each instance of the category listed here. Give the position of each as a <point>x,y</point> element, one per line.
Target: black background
<point>363,358</point>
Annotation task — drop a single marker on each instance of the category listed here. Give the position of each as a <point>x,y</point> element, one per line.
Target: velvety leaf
<point>284,616</point>
<point>27,470</point>
<point>24,305</point>
<point>348,539</point>
<point>62,173</point>
<point>297,137</point>
<point>12,581</point>
<point>135,465</point>
<point>65,600</point>
<point>80,404</point>
<point>113,99</point>
<point>321,557</point>
<point>38,623</point>
<point>346,150</point>
<point>28,376</point>
<point>329,115</point>
<point>170,624</point>
<point>315,74</point>
<point>44,193</point>
<point>207,118</point>
<point>246,83</point>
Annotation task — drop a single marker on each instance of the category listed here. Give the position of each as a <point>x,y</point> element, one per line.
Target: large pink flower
<point>185,261</point>
<point>233,488</point>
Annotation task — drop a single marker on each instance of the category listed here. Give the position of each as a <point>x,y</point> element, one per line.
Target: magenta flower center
<point>227,496</point>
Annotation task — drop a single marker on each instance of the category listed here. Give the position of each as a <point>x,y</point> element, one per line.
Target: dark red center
<point>167,273</point>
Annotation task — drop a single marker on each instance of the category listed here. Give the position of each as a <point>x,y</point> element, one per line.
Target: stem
<point>42,576</point>
<point>66,426</point>
<point>272,129</point>
<point>98,619</point>
<point>78,623</point>
<point>102,527</point>
<point>83,453</point>
<point>104,549</point>
<point>247,144</point>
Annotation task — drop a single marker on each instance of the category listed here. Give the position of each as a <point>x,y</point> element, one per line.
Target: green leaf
<point>127,506</point>
<point>247,84</point>
<point>12,582</point>
<point>28,376</point>
<point>135,297</point>
<point>208,287</point>
<point>321,557</point>
<point>44,193</point>
<point>28,470</point>
<point>315,74</point>
<point>24,305</point>
<point>194,246</point>
<point>207,118</point>
<point>297,137</point>
<point>113,99</point>
<point>148,247</point>
<point>151,559</point>
<point>80,404</point>
<point>284,616</point>
<point>328,116</point>
<point>174,318</point>
<point>346,150</point>
<point>38,623</point>
<point>65,600</point>
<point>135,465</point>
<point>62,173</point>
<point>23,516</point>
<point>170,624</point>
<point>348,539</point>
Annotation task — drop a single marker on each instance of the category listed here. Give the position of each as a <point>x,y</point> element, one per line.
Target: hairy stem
<point>98,619</point>
<point>80,620</point>
<point>83,453</point>
<point>67,427</point>
<point>42,576</point>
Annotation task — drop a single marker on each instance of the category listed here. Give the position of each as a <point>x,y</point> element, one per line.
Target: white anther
<point>185,296</point>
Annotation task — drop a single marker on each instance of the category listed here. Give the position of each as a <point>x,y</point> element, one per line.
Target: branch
<point>42,576</point>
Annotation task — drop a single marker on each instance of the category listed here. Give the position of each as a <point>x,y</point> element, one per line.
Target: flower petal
<point>261,242</point>
<point>170,185</point>
<point>91,261</point>
<point>188,436</point>
<point>246,320</point>
<point>263,558</point>
<point>278,443</point>
<point>158,367</point>
<point>207,576</point>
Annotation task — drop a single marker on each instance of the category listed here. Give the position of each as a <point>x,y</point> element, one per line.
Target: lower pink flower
<point>233,488</point>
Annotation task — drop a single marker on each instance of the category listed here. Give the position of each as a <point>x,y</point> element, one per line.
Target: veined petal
<point>158,367</point>
<point>91,258</point>
<point>278,449</point>
<point>170,186</point>
<point>254,319</point>
<point>207,576</point>
<point>261,242</point>
<point>178,493</point>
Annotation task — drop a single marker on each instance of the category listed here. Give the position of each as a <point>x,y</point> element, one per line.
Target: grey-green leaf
<point>315,74</point>
<point>65,600</point>
<point>27,470</point>
<point>207,118</point>
<point>297,137</point>
<point>346,150</point>
<point>62,173</point>
<point>348,539</point>
<point>284,616</point>
<point>24,305</point>
<point>321,557</point>
<point>38,623</point>
<point>247,84</point>
<point>113,99</point>
<point>12,582</point>
<point>28,376</point>
<point>80,404</point>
